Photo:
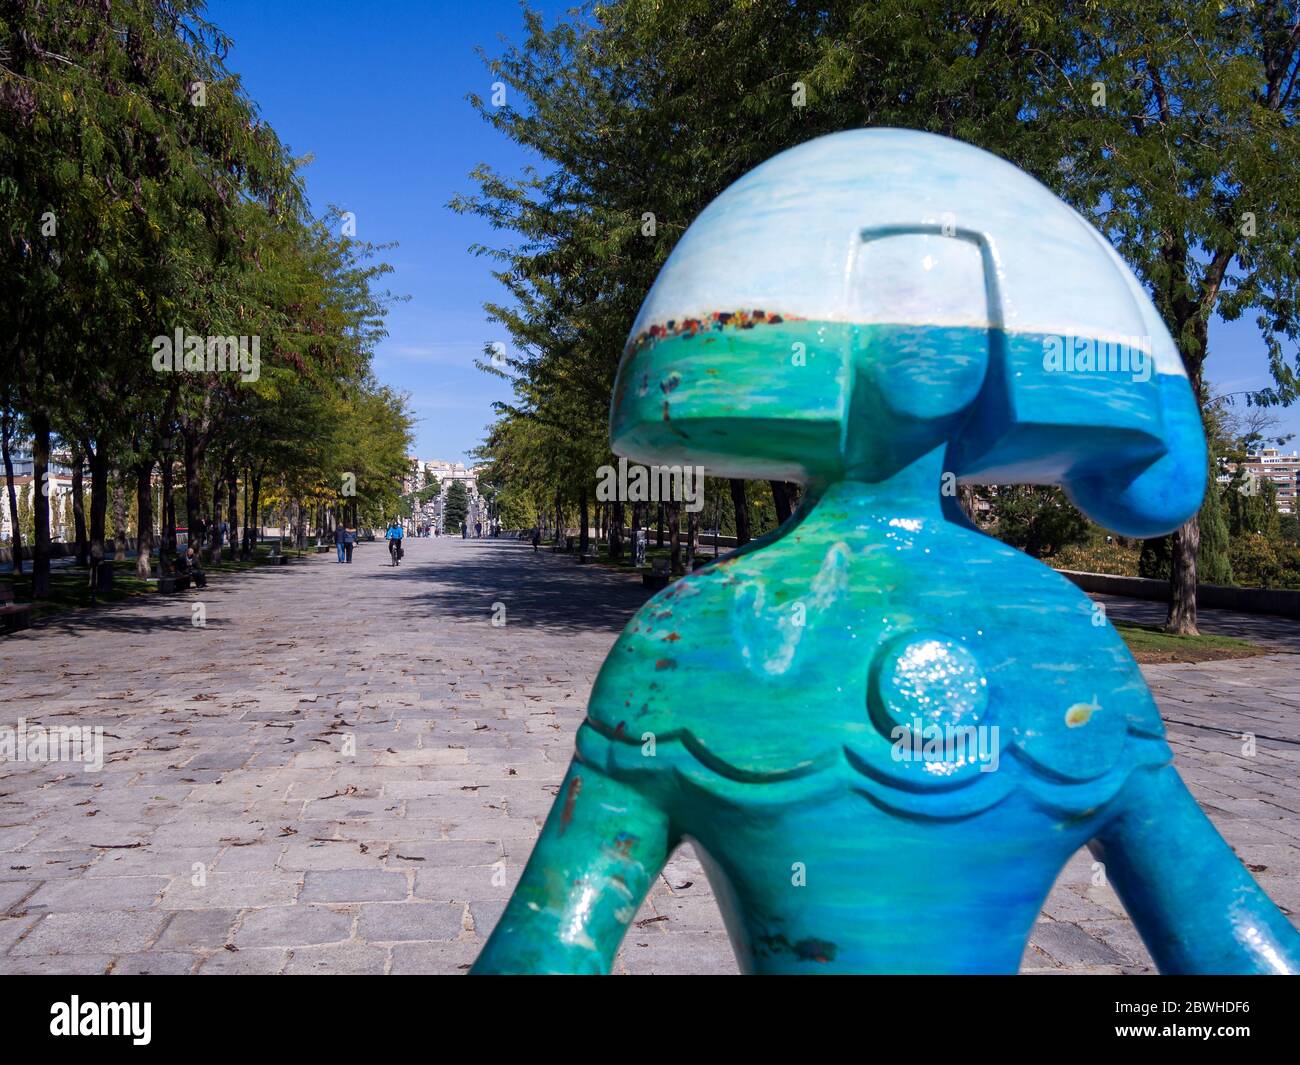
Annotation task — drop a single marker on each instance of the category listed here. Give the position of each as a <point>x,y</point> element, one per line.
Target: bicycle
<point>395,551</point>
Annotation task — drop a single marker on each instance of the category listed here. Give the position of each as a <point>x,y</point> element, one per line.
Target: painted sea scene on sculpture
<point>884,731</point>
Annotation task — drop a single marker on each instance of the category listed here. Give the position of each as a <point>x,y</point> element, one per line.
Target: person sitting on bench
<point>190,564</point>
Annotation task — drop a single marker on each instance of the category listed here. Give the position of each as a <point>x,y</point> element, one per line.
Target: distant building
<point>1269,463</point>
<point>59,480</point>
<point>430,512</point>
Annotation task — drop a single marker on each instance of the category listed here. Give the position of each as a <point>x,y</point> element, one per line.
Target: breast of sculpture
<point>884,731</point>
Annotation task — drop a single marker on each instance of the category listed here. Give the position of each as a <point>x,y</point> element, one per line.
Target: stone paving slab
<point>346,769</point>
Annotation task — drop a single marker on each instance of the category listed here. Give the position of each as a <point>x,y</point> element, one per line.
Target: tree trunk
<point>584,517</point>
<point>119,517</point>
<point>741,505</point>
<point>966,499</point>
<point>244,547</point>
<point>98,509</point>
<point>79,508</point>
<point>193,489</point>
<point>672,513</point>
<point>692,538</point>
<point>41,505</point>
<point>16,542</point>
<point>784,496</point>
<point>255,513</point>
<point>217,539</point>
<point>144,520</point>
<point>717,523</point>
<point>616,531</point>
<point>167,548</point>
<point>659,526</point>
<point>1186,540</point>
<point>1183,545</point>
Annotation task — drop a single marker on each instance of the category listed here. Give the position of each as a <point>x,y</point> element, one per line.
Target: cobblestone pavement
<point>232,829</point>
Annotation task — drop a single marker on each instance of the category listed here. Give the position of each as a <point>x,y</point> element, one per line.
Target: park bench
<point>171,583</point>
<point>276,558</point>
<point>13,616</point>
<point>589,555</point>
<point>658,575</point>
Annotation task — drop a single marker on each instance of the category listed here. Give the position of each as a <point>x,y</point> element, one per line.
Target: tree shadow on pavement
<point>541,590</point>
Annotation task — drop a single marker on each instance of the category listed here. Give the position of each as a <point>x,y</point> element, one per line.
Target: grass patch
<point>1150,643</point>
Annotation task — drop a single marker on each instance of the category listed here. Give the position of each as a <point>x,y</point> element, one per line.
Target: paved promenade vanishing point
<point>229,831</point>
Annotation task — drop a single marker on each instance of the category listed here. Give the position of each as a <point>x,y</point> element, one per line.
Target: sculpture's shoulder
<point>823,652</point>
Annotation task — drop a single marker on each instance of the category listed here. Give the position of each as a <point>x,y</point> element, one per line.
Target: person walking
<point>537,537</point>
<point>464,531</point>
<point>478,530</point>
<point>349,541</point>
<point>340,541</point>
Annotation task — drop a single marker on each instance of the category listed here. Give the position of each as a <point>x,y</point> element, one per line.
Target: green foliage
<point>26,514</point>
<point>1214,560</point>
<point>1265,562</point>
<point>456,506</point>
<point>1100,553</point>
<point>1252,506</point>
<point>1039,521</point>
<point>147,195</point>
<point>639,107</point>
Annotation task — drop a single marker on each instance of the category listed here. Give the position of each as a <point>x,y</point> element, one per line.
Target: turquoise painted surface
<point>885,731</point>
<point>718,718</point>
<point>824,400</point>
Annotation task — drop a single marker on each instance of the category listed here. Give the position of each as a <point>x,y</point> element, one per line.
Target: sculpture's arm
<point>600,850</point>
<point>1197,909</point>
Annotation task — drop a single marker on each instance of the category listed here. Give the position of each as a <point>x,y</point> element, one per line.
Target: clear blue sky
<point>375,90</point>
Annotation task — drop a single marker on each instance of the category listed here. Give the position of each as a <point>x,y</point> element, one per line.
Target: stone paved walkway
<point>345,769</point>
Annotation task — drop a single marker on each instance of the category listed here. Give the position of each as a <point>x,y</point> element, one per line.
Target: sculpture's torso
<point>759,701</point>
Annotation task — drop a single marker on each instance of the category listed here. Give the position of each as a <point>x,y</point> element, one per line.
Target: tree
<point>1188,168</point>
<point>456,506</point>
<point>1172,129</point>
<point>1038,521</point>
<point>11,490</point>
<point>144,194</point>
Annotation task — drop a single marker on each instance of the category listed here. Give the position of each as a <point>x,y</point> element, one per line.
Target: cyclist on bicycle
<point>394,538</point>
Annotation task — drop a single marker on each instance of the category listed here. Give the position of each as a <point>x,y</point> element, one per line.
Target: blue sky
<point>375,91</point>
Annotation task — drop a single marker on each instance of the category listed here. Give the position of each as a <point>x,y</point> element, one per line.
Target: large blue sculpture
<point>884,731</point>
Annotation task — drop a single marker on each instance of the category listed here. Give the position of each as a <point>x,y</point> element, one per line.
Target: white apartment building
<point>1282,470</point>
<point>430,513</point>
<point>60,489</point>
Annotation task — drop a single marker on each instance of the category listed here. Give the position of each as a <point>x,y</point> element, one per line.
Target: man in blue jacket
<point>394,538</point>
